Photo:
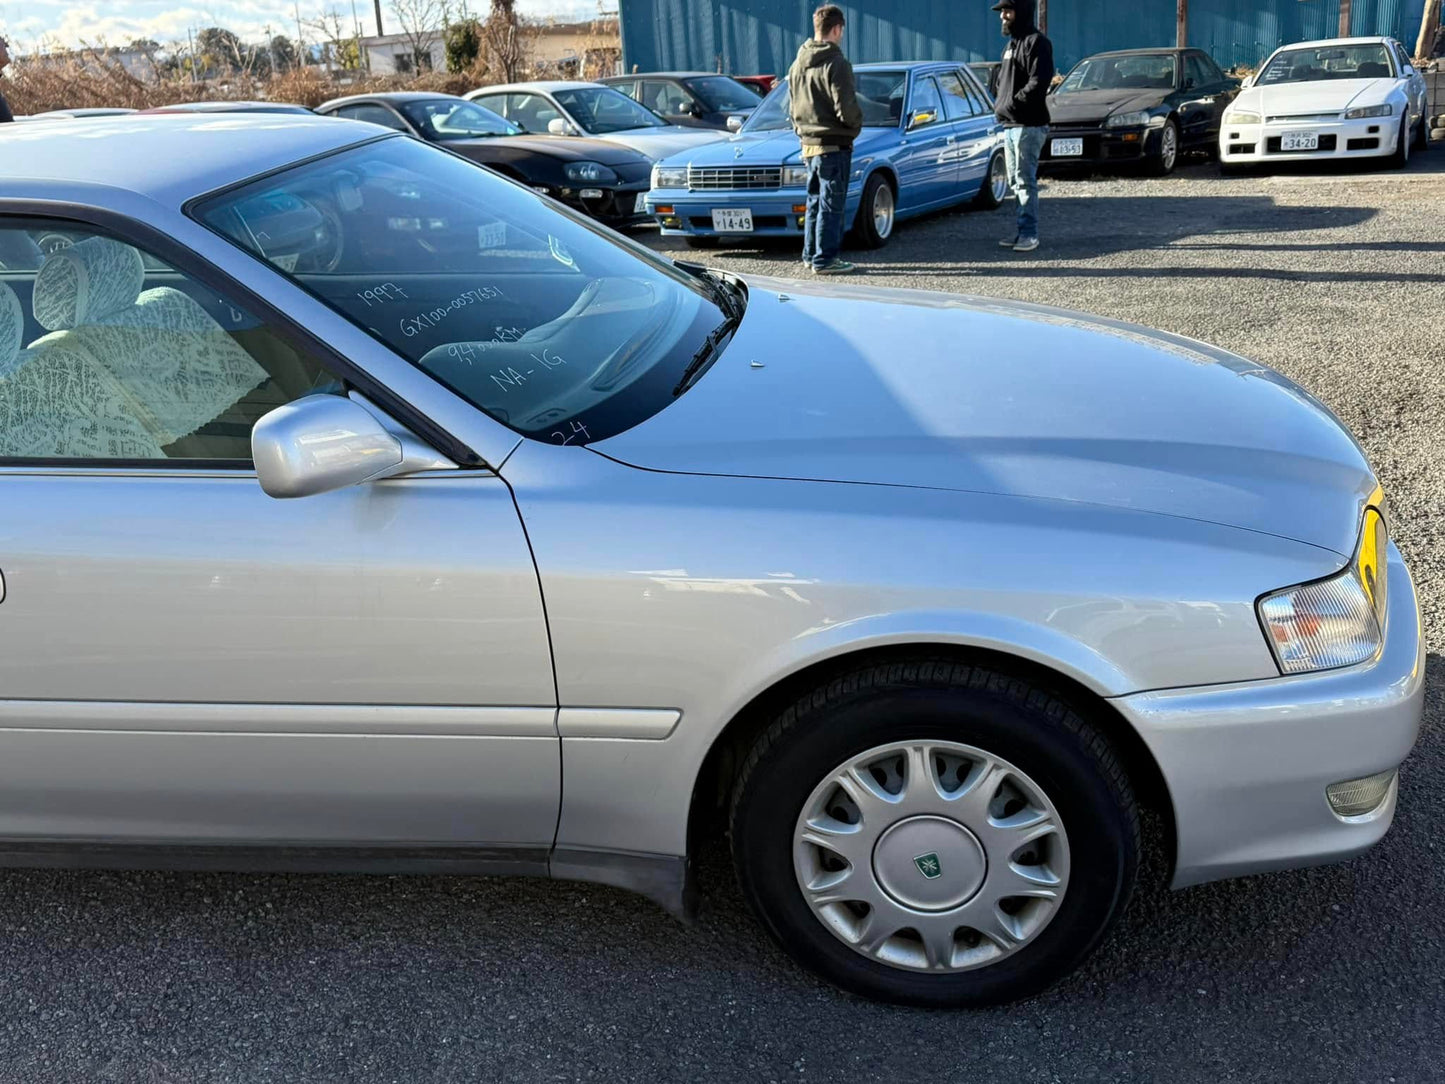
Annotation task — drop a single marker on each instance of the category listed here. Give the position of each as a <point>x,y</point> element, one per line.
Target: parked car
<point>920,597</point>
<point>1345,98</point>
<point>759,84</point>
<point>1137,107</point>
<point>986,72</point>
<point>691,99</point>
<point>230,107</point>
<point>601,179</point>
<point>589,109</point>
<point>76,114</point>
<point>929,140</point>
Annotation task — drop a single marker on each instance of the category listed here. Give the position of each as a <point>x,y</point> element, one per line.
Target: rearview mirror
<point>319,443</point>
<point>735,124</point>
<point>922,117</point>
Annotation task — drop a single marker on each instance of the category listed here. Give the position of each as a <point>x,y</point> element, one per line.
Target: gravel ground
<point>1334,973</point>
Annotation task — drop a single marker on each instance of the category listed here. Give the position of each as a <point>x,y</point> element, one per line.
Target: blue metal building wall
<point>762,36</point>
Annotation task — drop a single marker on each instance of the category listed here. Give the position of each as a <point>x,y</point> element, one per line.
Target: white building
<point>391,54</point>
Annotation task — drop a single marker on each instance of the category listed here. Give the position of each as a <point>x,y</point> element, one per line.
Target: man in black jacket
<point>4,60</point>
<point>825,114</point>
<point>1021,105</point>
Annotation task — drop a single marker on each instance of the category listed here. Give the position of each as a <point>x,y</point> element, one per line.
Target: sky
<point>115,22</point>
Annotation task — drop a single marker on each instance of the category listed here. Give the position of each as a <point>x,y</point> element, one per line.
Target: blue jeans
<point>1021,148</point>
<point>827,203</point>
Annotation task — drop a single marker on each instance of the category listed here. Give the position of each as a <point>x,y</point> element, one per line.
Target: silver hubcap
<point>931,856</point>
<point>1170,147</point>
<point>998,179</point>
<point>883,210</point>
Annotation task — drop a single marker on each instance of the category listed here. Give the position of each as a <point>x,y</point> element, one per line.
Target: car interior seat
<point>1372,70</point>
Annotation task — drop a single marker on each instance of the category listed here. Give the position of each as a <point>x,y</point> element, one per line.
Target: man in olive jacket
<point>827,119</point>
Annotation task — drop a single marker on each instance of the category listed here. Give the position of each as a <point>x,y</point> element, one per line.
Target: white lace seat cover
<point>182,369</point>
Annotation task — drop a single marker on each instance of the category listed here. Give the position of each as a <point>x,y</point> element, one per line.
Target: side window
<point>957,103</point>
<point>662,97</point>
<point>1197,72</point>
<point>925,100</point>
<point>499,104</point>
<point>107,353</point>
<point>374,114</point>
<point>1401,57</point>
<point>532,111</point>
<point>1215,71</point>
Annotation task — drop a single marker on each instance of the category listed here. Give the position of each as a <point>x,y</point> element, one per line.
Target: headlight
<point>1241,117</point>
<point>589,173</point>
<point>1370,111</point>
<point>1334,622</point>
<point>669,176</point>
<point>795,176</point>
<point>1127,120</point>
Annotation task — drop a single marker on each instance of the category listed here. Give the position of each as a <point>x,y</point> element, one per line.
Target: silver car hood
<point>898,387</point>
<point>659,143</point>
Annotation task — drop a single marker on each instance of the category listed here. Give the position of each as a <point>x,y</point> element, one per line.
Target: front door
<point>926,167</point>
<point>185,660</point>
<point>975,131</point>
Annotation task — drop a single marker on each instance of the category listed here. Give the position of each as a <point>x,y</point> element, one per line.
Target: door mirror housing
<point>558,126</point>
<point>1247,82</point>
<point>735,124</point>
<point>320,443</point>
<point>921,118</point>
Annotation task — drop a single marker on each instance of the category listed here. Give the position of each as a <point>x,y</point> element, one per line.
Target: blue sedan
<point>929,141</point>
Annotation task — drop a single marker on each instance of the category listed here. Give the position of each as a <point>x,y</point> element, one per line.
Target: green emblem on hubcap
<point>928,865</point>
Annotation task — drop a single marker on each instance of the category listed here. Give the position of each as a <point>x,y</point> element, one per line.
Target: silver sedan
<point>367,510</point>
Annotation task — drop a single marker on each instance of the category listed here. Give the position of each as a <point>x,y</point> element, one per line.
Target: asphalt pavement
<point>1336,973</point>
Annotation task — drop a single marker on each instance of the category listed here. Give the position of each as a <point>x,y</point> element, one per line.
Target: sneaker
<point>1009,242</point>
<point>836,267</point>
<point>1026,244</point>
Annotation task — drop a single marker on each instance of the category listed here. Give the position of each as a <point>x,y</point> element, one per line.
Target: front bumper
<point>1366,138</point>
<point>1247,765</point>
<point>1102,146</point>
<point>619,206</point>
<point>776,212</point>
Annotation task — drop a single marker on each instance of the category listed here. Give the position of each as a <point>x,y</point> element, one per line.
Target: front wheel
<point>1401,158</point>
<point>1167,156</point>
<point>1422,133</point>
<point>935,834</point>
<point>995,184</point>
<point>877,211</point>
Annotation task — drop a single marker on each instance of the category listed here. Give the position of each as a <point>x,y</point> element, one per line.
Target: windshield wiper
<point>725,293</point>
<point>706,354</point>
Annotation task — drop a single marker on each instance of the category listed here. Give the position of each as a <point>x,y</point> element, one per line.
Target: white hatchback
<point>1345,98</point>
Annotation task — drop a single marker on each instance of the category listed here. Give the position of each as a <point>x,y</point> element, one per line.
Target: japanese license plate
<point>639,206</point>
<point>1299,141</point>
<point>1066,148</point>
<point>733,221</point>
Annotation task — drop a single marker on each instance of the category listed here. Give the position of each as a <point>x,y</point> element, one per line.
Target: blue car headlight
<point>795,176</point>
<point>589,173</point>
<point>669,176</point>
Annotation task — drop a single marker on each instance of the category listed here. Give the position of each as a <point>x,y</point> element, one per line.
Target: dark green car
<point>1138,106</point>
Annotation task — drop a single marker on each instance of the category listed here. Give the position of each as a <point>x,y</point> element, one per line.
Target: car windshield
<point>446,118</point>
<point>563,330</point>
<point>880,96</point>
<point>721,94</point>
<point>600,110</point>
<point>1147,71</point>
<point>1332,62</point>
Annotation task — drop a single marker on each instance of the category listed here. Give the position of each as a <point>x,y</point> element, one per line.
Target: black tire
<point>1401,156</point>
<point>986,200</point>
<point>943,700</point>
<point>1161,163</point>
<point>1422,134</point>
<point>701,242</point>
<point>865,230</point>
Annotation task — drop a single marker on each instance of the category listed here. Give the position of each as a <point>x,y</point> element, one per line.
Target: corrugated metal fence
<point>762,36</point>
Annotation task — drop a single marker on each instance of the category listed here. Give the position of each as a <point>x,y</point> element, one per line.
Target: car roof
<point>390,96</point>
<point>169,158</point>
<point>1376,40</point>
<point>663,75</point>
<point>1145,52</point>
<point>540,84</point>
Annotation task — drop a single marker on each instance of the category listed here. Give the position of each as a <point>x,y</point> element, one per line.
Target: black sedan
<point>1142,106</point>
<point>604,180</point>
<point>692,99</point>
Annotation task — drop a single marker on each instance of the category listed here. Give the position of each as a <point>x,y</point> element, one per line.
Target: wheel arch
<point>713,784</point>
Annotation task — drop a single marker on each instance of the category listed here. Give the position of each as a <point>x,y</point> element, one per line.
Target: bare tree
<point>339,43</point>
<point>506,41</point>
<point>421,25</point>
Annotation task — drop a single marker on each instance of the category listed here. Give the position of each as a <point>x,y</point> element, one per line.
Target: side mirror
<point>922,117</point>
<point>558,126</point>
<point>735,124</point>
<point>319,443</point>
<point>1247,83</point>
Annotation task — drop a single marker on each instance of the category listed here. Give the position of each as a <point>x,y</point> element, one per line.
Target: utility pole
<point>1181,24</point>
<point>1345,20</point>
<point>192,37</point>
<point>1429,27</point>
<point>379,30</point>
